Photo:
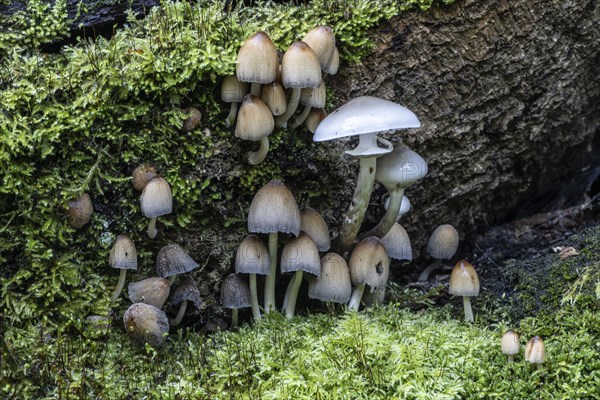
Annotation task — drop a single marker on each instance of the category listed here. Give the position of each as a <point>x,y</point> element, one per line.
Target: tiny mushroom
<point>310,98</point>
<point>156,200</point>
<point>233,92</point>
<point>194,116</point>
<point>333,285</point>
<point>79,211</point>
<point>184,292</point>
<point>405,206</point>
<point>322,41</point>
<point>153,291</point>
<point>172,260</point>
<point>313,223</point>
<point>252,257</point>
<point>397,243</point>
<point>273,95</point>
<point>257,61</point>
<point>535,352</point>
<point>255,122</point>
<point>123,256</point>
<point>141,175</point>
<point>442,245</point>
<point>369,266</point>
<point>464,282</point>
<point>314,119</point>
<point>510,344</point>
<point>235,294</point>
<point>146,324</point>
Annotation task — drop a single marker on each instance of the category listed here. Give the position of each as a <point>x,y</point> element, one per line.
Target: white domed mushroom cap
<point>397,243</point>
<point>510,343</point>
<point>369,263</point>
<point>301,254</point>
<point>252,257</point>
<point>313,223</point>
<point>534,351</point>
<point>405,206</point>
<point>156,199</point>
<point>257,60</point>
<point>274,209</point>
<point>300,67</point>
<point>400,168</point>
<point>443,242</point>
<point>334,283</point>
<point>365,114</point>
<point>123,254</point>
<point>464,280</point>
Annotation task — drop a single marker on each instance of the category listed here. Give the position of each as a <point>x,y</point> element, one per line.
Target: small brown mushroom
<point>79,211</point>
<point>465,282</point>
<point>123,256</point>
<point>146,324</point>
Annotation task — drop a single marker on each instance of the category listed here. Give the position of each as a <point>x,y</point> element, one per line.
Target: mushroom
<point>123,256</point>
<point>442,245</point>
<point>79,211</point>
<point>252,258</point>
<point>156,200</point>
<point>143,174</point>
<point>255,122</point>
<point>322,41</point>
<point>396,171</point>
<point>257,61</point>
<point>273,95</point>
<point>273,210</point>
<point>193,119</point>
<point>313,223</point>
<point>314,119</point>
<point>464,282</point>
<point>405,206</point>
<point>235,294</point>
<point>172,260</point>
<point>535,352</point>
<point>310,98</point>
<point>333,285</point>
<point>397,243</point>
<point>335,64</point>
<point>364,116</point>
<point>146,324</point>
<point>185,291</point>
<point>153,291</point>
<point>232,91</point>
<point>510,344</point>
<point>299,255</point>
<point>369,265</point>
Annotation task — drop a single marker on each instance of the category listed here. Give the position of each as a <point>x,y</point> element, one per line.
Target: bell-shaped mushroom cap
<point>334,283</point>
<point>232,90</point>
<point>335,63</point>
<point>369,263</point>
<point>301,254</point>
<point>141,175</point>
<point>400,168</point>
<point>235,292</point>
<point>405,206</point>
<point>252,257</point>
<point>397,243</point>
<point>322,41</point>
<point>314,119</point>
<point>313,223</point>
<point>300,67</point>
<point>464,280</point>
<point>257,60</point>
<point>365,114</point>
<point>534,351</point>
<point>510,343</point>
<point>314,97</point>
<point>123,254</point>
<point>273,95</point>
<point>443,242</point>
<point>156,199</point>
<point>146,324</point>
<point>185,290</point>
<point>274,209</point>
<point>173,260</point>
<point>254,120</point>
<point>153,291</point>
<point>79,211</point>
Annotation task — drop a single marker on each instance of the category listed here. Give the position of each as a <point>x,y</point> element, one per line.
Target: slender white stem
<point>292,105</point>
<point>287,293</point>
<point>179,317</point>
<point>354,302</point>
<point>468,310</point>
<point>511,358</point>
<point>232,113</point>
<point>254,298</point>
<point>171,279</point>
<point>291,305</point>
<point>391,214</point>
<point>270,280</point>
<point>258,156</point>
<point>301,117</point>
<point>424,276</point>
<point>255,88</point>
<point>152,232</point>
<point>234,317</point>
<point>120,285</point>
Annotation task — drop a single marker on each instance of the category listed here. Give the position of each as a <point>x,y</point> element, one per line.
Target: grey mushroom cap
<point>79,211</point>
<point>369,263</point>
<point>510,343</point>
<point>173,260</point>
<point>334,282</point>
<point>153,291</point>
<point>274,209</point>
<point>146,324</point>
<point>397,243</point>
<point>185,290</point>
<point>443,242</point>
<point>235,292</point>
<point>400,168</point>
<point>252,257</point>
<point>313,223</point>
<point>123,254</point>
<point>301,254</point>
<point>156,199</point>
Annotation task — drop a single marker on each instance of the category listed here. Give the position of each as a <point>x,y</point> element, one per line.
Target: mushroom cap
<point>235,292</point>
<point>153,291</point>
<point>252,257</point>
<point>443,242</point>
<point>313,223</point>
<point>79,211</point>
<point>257,60</point>
<point>314,119</point>
<point>156,199</point>
<point>534,351</point>
<point>314,97</point>
<point>232,90</point>
<point>273,95</point>
<point>397,243</point>
<point>335,63</point>
<point>123,254</point>
<point>334,282</point>
<point>369,263</point>
<point>146,324</point>
<point>274,209</point>
<point>193,120</point>
<point>300,67</point>
<point>254,120</point>
<point>464,280</point>
<point>405,206</point>
<point>301,254</point>
<point>400,168</point>
<point>173,260</point>
<point>141,175</point>
<point>186,289</point>
<point>365,114</point>
<point>322,41</point>
<point>510,343</point>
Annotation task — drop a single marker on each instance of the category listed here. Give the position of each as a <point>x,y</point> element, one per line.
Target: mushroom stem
<point>254,298</point>
<point>232,113</point>
<point>358,206</point>
<point>120,285</point>
<point>256,157</point>
<point>295,285</point>
<point>172,279</point>
<point>511,358</point>
<point>292,105</point>
<point>540,366</point>
<point>424,276</point>
<point>357,293</point>
<point>270,280</point>
<point>179,317</point>
<point>255,88</point>
<point>234,317</point>
<point>301,117</point>
<point>391,215</point>
<point>468,310</point>
<point>286,298</point>
<point>152,228</point>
